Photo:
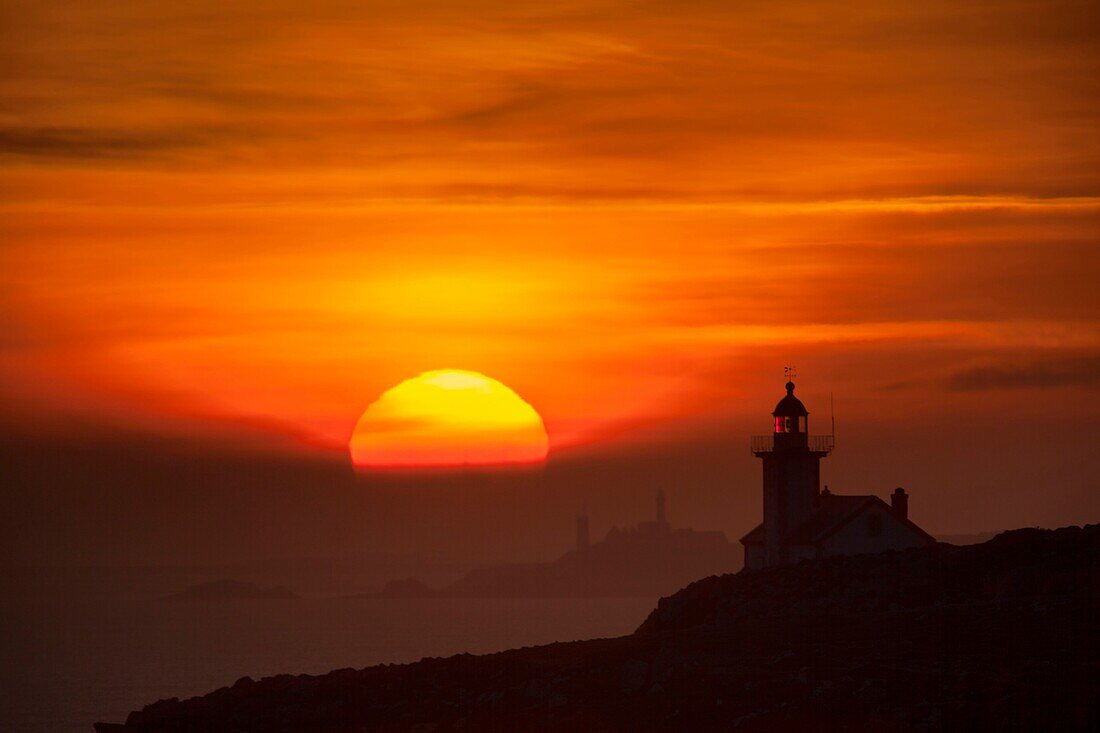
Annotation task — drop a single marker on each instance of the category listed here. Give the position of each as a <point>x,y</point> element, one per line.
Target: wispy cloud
<point>703,101</point>
<point>1055,371</point>
<point>83,143</point>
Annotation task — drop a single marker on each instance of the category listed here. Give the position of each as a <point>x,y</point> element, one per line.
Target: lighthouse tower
<point>792,474</point>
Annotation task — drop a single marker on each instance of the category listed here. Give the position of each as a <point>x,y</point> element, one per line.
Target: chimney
<point>899,502</point>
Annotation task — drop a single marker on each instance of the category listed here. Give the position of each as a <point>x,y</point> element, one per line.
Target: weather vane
<point>789,372</point>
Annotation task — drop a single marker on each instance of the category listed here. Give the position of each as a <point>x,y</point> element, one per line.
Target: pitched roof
<point>755,536</point>
<point>834,512</point>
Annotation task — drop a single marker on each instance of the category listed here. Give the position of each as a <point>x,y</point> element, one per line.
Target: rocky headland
<point>1000,635</point>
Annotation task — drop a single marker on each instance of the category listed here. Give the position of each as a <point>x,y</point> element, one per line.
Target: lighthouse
<point>801,521</point>
<point>792,474</point>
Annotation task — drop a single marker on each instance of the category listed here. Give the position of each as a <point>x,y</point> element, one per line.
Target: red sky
<point>223,220</point>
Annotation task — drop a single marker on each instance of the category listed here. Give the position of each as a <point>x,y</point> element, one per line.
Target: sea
<point>68,662</point>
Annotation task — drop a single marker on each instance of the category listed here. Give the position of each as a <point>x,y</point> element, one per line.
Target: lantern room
<point>790,414</point>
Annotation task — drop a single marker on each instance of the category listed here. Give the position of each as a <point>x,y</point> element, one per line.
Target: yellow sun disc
<point>448,417</point>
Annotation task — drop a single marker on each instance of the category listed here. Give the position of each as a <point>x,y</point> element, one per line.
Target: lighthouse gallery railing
<point>816,443</point>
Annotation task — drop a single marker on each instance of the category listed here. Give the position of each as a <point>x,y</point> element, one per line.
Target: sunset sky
<point>243,222</point>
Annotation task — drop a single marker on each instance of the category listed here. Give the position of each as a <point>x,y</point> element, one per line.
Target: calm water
<point>67,665</point>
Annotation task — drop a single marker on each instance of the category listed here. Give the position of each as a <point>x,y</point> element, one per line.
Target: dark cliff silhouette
<point>1000,635</point>
<point>231,590</point>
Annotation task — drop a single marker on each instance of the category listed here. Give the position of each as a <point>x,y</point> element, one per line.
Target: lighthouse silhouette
<point>792,475</point>
<point>801,521</point>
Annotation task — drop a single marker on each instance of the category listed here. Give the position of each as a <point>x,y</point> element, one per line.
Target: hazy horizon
<point>126,498</point>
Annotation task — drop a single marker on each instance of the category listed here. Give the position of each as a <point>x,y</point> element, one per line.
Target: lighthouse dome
<point>790,406</point>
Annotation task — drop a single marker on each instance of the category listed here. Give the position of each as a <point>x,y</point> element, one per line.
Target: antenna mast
<point>832,416</point>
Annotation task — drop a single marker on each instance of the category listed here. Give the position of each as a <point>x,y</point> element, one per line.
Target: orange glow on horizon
<point>446,418</point>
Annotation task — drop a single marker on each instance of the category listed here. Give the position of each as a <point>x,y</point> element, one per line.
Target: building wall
<point>754,556</point>
<point>856,537</point>
<point>795,553</point>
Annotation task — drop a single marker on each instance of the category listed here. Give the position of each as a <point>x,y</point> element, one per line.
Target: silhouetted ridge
<point>1018,564</point>
<point>998,636</point>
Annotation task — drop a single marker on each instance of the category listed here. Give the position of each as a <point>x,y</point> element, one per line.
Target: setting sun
<point>448,417</point>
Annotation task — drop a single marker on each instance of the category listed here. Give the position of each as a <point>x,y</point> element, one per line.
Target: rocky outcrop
<point>994,636</point>
<point>1017,565</point>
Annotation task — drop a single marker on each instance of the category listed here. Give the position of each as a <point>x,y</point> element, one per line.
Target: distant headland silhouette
<point>650,559</point>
